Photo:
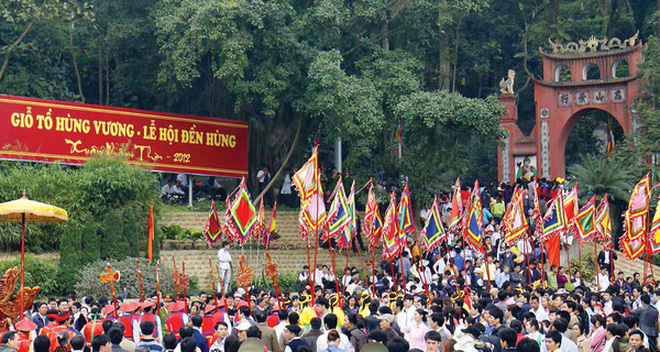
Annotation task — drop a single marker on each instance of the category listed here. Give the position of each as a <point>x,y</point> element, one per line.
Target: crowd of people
<point>449,316</point>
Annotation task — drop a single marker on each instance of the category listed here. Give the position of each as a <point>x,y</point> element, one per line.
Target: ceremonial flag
<point>390,243</point>
<point>339,215</point>
<point>370,212</point>
<point>351,229</point>
<point>212,229</point>
<point>433,232</point>
<point>638,208</point>
<point>632,248</point>
<point>553,221</point>
<point>570,209</point>
<point>243,215</point>
<point>150,232</point>
<point>405,219</point>
<point>377,232</point>
<point>604,223</point>
<point>269,236</point>
<point>312,214</point>
<point>474,228</point>
<point>307,178</point>
<point>260,227</point>
<point>515,221</point>
<point>228,229</point>
<point>456,207</point>
<point>585,220</point>
<point>654,232</point>
<point>538,218</point>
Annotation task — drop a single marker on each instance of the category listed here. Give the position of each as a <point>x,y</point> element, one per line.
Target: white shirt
<point>541,314</point>
<point>344,342</point>
<point>410,315</point>
<point>261,176</point>
<point>402,319</point>
<point>567,345</point>
<point>439,266</point>
<point>603,281</point>
<point>224,259</point>
<point>183,178</point>
<point>286,185</point>
<point>607,307</point>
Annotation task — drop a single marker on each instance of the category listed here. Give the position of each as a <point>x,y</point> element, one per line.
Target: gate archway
<point>577,77</point>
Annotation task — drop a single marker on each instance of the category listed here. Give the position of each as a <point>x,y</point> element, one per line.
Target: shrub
<point>89,284</point>
<point>38,272</point>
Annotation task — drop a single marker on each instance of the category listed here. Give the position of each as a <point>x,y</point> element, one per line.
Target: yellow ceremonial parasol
<point>24,210</point>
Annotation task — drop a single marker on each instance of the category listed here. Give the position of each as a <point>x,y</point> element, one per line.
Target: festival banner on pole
<point>433,233</point>
<point>70,133</point>
<point>585,220</point>
<point>456,207</point>
<point>604,223</point>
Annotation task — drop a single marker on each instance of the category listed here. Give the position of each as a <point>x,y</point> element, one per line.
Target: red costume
<point>92,329</point>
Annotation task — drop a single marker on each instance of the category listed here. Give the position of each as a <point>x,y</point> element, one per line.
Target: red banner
<point>48,131</point>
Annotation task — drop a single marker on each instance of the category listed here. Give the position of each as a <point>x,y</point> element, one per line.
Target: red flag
<point>212,229</point>
<point>553,246</point>
<point>150,230</point>
<point>456,207</point>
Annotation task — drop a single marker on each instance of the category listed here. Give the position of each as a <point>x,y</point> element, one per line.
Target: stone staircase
<point>290,251</point>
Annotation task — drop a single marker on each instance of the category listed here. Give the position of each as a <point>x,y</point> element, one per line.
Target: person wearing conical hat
<point>62,320</point>
<point>127,318</point>
<point>94,326</point>
<point>178,318</point>
<point>364,307</point>
<point>26,333</point>
<point>149,315</point>
<point>306,312</point>
<point>109,313</point>
<point>50,315</point>
<point>336,309</point>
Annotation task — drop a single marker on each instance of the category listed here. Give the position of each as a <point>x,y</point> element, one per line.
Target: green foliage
<point>175,232</point>
<point>597,175</point>
<point>107,201</point>
<point>108,214</point>
<point>38,272</point>
<point>587,268</point>
<point>88,281</point>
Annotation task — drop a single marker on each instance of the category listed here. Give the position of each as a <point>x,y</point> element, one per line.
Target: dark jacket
<point>311,338</point>
<point>269,338</point>
<point>648,319</point>
<point>371,323</point>
<point>357,337</point>
<point>201,341</point>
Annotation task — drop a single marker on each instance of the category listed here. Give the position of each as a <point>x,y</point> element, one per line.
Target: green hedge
<point>88,281</point>
<point>38,272</point>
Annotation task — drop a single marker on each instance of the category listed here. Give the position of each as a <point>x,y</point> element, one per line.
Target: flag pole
<point>403,275</point>
<point>580,254</point>
<point>373,272</point>
<point>332,260</point>
<point>483,250</point>
<point>568,256</point>
<point>396,290</point>
<point>364,271</point>
<point>596,264</point>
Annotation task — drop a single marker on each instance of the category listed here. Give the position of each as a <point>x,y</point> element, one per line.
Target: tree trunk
<point>553,11</point>
<point>285,162</point>
<point>458,32</point>
<point>12,48</point>
<point>100,71</point>
<point>75,63</point>
<point>444,64</point>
